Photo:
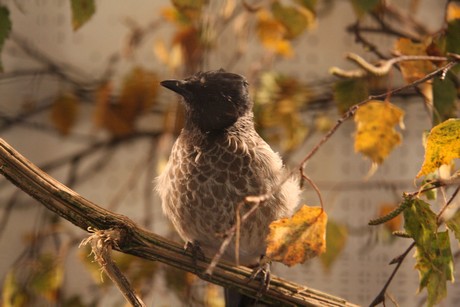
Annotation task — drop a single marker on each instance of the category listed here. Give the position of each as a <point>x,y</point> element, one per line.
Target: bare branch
<point>101,242</point>
<point>137,241</point>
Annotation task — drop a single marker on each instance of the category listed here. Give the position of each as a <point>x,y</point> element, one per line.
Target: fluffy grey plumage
<point>217,160</point>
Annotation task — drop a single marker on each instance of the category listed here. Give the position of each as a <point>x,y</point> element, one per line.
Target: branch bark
<point>140,242</point>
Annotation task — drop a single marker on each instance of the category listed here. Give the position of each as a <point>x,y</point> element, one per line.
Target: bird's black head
<point>214,100</point>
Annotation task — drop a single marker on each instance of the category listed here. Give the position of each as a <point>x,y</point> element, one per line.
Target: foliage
<point>299,238</point>
<point>375,134</point>
<point>442,146</point>
<point>82,11</point>
<point>281,105</point>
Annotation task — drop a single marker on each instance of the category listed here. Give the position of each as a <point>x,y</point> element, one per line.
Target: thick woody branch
<point>139,242</point>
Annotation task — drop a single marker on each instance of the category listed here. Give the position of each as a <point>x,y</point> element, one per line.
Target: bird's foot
<point>262,271</point>
<point>195,250</point>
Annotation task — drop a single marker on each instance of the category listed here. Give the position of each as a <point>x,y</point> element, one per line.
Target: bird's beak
<point>177,86</point>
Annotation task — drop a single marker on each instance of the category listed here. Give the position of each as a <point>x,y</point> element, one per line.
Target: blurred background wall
<point>119,177</point>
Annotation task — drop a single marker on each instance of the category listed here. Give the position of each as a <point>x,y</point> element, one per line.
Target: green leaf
<point>291,18</point>
<point>435,265</point>
<point>444,99</point>
<point>420,222</point>
<point>454,225</point>
<point>308,4</point>
<point>433,255</point>
<point>5,28</point>
<point>82,11</point>
<point>48,276</point>
<point>189,9</point>
<point>349,92</point>
<point>336,239</point>
<point>453,36</point>
<point>362,7</point>
<point>426,183</point>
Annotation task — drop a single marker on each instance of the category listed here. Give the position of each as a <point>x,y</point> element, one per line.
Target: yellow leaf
<point>442,146</point>
<point>299,238</point>
<point>453,11</point>
<point>170,56</point>
<point>413,70</point>
<point>272,34</point>
<point>13,295</point>
<point>393,224</point>
<point>64,113</point>
<point>375,134</point>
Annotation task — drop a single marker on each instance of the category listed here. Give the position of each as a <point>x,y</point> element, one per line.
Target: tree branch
<point>137,241</point>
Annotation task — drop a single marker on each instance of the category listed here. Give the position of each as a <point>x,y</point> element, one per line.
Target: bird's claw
<point>195,250</point>
<point>262,271</point>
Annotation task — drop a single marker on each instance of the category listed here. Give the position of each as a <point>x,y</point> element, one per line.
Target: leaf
<point>190,43</point>
<point>179,282</point>
<point>362,7</point>
<point>190,8</point>
<point>435,266</point>
<point>349,92</point>
<point>278,102</point>
<point>64,113</point>
<point>137,270</point>
<point>454,225</point>
<point>308,4</point>
<point>375,134</point>
<point>413,70</point>
<point>442,146</point>
<point>272,34</point>
<point>82,11</point>
<point>453,11</point>
<point>138,95</point>
<point>444,99</point>
<point>395,223</point>
<point>453,36</point>
<point>172,56</point>
<point>294,20</point>
<point>433,255</point>
<point>47,277</point>
<point>299,238</point>
<point>420,222</point>
<point>5,28</point>
<point>336,239</point>
<point>12,293</point>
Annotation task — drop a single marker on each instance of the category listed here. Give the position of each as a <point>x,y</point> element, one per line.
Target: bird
<point>217,161</point>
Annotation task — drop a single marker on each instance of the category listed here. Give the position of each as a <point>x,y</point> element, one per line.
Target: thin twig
<point>398,260</point>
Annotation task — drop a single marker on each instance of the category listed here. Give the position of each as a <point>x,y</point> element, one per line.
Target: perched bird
<point>218,160</point>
